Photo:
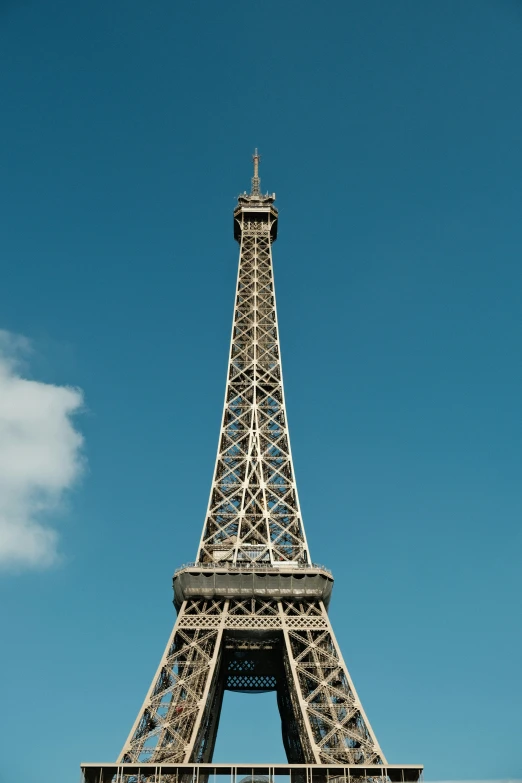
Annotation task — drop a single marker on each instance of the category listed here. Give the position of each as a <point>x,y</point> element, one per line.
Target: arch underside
<point>253,646</point>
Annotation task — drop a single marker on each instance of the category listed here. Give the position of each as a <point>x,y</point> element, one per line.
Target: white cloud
<point>40,457</point>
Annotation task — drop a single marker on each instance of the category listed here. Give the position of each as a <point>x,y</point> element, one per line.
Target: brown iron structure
<point>252,610</point>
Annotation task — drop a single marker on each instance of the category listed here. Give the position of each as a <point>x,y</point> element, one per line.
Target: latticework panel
<point>253,513</point>
<point>165,724</point>
<point>341,732</point>
<point>320,710</point>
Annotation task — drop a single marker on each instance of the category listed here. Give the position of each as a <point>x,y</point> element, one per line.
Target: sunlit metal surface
<point>252,609</point>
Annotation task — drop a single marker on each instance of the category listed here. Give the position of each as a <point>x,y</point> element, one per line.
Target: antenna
<point>255,179</point>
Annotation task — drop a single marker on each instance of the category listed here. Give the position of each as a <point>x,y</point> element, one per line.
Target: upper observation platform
<point>215,580</point>
<point>255,208</point>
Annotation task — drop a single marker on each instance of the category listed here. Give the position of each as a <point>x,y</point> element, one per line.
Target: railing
<point>251,773</point>
<point>247,565</point>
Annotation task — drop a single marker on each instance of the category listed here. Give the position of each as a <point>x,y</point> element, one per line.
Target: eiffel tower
<point>252,611</point>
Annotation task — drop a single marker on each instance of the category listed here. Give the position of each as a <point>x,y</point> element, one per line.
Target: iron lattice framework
<point>253,512</point>
<point>252,611</point>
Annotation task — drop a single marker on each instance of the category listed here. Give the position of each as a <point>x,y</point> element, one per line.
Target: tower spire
<point>256,182</point>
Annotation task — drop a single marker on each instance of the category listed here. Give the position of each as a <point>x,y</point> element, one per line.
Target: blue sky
<point>391,135</point>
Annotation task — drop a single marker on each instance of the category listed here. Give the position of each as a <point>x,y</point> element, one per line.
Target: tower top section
<point>254,207</point>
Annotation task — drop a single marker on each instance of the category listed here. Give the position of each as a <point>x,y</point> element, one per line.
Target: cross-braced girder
<point>253,645</point>
<point>253,512</point>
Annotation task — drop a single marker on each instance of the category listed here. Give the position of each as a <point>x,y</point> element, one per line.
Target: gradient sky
<point>391,135</point>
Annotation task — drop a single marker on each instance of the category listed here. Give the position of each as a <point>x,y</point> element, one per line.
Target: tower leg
<point>332,713</point>
<point>308,744</point>
<point>171,718</point>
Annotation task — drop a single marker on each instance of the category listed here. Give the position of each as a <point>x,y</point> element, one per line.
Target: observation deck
<point>255,208</point>
<point>252,580</point>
